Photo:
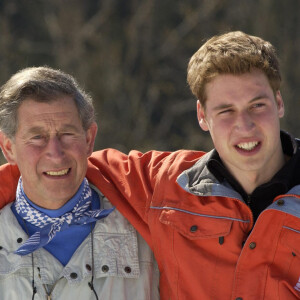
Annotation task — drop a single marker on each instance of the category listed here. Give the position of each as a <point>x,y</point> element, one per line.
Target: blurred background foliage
<point>131,56</point>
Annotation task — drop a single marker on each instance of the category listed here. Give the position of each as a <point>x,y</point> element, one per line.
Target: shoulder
<point>115,156</point>
<point>6,215</point>
<point>9,176</point>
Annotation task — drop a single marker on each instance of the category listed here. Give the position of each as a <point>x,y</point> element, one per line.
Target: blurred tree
<point>132,57</point>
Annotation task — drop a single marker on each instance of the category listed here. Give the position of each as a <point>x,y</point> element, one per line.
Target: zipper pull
<point>248,199</point>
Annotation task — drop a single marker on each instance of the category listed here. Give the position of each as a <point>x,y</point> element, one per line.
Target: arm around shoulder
<point>9,176</point>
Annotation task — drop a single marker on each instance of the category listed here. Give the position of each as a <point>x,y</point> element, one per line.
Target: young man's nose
<point>244,121</point>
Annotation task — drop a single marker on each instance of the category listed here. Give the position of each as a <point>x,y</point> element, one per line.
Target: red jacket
<point>201,231</point>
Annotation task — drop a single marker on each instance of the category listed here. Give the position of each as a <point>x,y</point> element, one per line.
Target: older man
<point>79,246</point>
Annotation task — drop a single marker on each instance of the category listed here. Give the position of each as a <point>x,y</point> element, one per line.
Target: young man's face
<point>51,150</point>
<point>242,115</point>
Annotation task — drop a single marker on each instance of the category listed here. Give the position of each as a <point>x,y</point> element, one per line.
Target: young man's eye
<point>258,105</point>
<point>226,111</point>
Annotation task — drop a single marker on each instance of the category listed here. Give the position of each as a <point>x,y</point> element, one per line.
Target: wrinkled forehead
<point>55,114</point>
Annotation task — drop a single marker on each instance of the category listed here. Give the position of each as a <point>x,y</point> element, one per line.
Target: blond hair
<point>232,53</point>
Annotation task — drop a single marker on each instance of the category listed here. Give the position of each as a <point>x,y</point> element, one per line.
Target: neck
<point>250,180</point>
<point>55,207</point>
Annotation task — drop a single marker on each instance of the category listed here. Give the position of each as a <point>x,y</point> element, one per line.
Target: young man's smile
<point>248,147</point>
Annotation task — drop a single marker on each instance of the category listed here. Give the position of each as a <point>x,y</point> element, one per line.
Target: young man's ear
<point>7,147</point>
<point>280,104</point>
<point>201,116</point>
<point>90,138</point>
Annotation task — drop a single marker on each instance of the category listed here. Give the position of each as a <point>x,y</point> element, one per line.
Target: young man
<point>79,247</point>
<point>224,224</point>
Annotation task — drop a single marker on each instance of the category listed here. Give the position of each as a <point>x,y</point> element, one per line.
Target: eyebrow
<point>36,129</point>
<point>69,127</point>
<point>225,106</point>
<point>222,106</point>
<point>40,129</point>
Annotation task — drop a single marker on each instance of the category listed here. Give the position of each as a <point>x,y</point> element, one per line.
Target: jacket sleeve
<point>9,176</point>
<point>128,182</point>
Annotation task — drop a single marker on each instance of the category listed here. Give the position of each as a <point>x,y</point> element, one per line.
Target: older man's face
<point>51,150</point>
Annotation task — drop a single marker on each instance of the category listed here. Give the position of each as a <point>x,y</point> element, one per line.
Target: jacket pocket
<point>116,248</point>
<point>195,225</point>
<point>285,269</point>
<point>291,239</point>
<point>290,284</point>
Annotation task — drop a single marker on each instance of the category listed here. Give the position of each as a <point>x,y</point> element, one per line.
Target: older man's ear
<point>7,147</point>
<point>90,138</point>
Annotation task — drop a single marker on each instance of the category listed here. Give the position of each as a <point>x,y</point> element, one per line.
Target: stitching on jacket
<point>200,215</point>
<point>292,229</point>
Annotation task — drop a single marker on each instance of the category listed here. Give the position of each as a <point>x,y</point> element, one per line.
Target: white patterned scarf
<point>49,227</point>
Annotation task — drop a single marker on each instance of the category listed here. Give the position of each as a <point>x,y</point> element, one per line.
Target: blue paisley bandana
<point>79,215</point>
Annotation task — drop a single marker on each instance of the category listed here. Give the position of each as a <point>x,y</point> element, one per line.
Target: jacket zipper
<point>48,293</point>
<point>249,199</point>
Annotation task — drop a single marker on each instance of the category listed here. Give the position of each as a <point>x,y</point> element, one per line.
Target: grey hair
<point>42,84</point>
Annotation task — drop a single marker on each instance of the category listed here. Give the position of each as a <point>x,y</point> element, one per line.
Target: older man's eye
<point>66,135</point>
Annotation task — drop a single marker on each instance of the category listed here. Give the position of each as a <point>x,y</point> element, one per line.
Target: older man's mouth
<point>58,173</point>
